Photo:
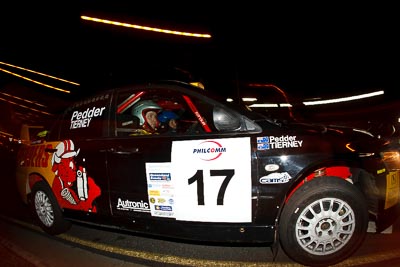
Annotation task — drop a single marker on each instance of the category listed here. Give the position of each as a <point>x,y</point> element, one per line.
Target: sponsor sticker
<point>271,167</point>
<point>209,150</point>
<point>212,180</point>
<point>128,205</point>
<point>392,189</point>
<point>275,178</point>
<point>82,119</point>
<point>160,187</point>
<point>278,142</point>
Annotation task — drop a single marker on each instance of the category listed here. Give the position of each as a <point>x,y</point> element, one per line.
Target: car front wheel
<point>324,222</point>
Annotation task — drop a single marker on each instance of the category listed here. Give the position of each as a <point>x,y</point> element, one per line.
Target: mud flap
<point>382,194</point>
<point>389,208</point>
<point>369,187</point>
<point>275,246</point>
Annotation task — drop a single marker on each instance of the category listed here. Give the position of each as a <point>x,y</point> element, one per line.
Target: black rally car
<point>224,174</point>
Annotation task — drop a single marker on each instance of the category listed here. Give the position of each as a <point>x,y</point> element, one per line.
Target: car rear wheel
<point>324,222</point>
<point>46,210</point>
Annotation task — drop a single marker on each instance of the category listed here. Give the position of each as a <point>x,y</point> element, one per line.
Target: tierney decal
<point>275,142</point>
<point>82,119</point>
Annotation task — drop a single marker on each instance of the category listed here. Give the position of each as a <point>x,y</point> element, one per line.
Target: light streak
<point>146,28</point>
<point>34,81</point>
<point>40,73</point>
<point>28,101</point>
<point>343,99</point>
<point>23,106</point>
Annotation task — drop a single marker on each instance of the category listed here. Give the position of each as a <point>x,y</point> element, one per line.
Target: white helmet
<point>142,107</point>
<point>64,149</point>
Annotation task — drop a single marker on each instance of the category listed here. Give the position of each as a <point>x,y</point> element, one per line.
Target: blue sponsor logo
<point>263,139</point>
<point>160,176</point>
<point>163,208</point>
<point>263,143</point>
<point>262,146</point>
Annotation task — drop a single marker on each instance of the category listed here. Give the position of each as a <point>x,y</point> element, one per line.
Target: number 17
<point>198,176</point>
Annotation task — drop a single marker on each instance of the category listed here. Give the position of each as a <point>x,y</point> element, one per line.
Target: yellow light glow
<point>40,73</point>
<point>146,28</point>
<point>349,147</point>
<point>198,84</point>
<point>4,133</point>
<point>391,156</point>
<point>34,81</point>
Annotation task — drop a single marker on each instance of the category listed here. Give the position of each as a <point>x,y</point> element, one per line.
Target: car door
<point>133,149</point>
<point>79,158</point>
<point>140,164</point>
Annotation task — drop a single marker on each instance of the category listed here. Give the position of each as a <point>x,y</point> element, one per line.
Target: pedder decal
<point>278,142</point>
<point>82,119</point>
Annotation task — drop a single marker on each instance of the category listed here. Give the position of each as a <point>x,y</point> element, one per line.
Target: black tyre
<point>324,222</point>
<point>46,210</point>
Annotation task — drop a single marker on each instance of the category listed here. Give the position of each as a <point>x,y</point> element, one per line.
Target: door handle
<point>124,151</point>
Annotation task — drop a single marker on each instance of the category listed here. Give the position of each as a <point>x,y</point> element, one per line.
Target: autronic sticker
<point>139,206</point>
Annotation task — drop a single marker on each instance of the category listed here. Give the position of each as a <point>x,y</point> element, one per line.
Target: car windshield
<point>269,101</point>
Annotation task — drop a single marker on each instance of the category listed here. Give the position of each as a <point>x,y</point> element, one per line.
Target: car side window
<point>162,112</point>
<point>87,118</point>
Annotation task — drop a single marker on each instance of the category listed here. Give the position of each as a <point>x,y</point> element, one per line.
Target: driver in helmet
<point>147,111</point>
<point>168,121</point>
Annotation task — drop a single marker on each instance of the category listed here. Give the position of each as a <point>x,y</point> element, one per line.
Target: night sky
<point>307,50</point>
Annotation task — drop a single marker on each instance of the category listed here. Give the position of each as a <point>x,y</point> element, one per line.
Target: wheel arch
<point>349,171</point>
<point>341,169</point>
<point>34,178</point>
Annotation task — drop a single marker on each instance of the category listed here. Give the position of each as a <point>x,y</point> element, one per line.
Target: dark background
<point>302,47</point>
<point>308,49</point>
